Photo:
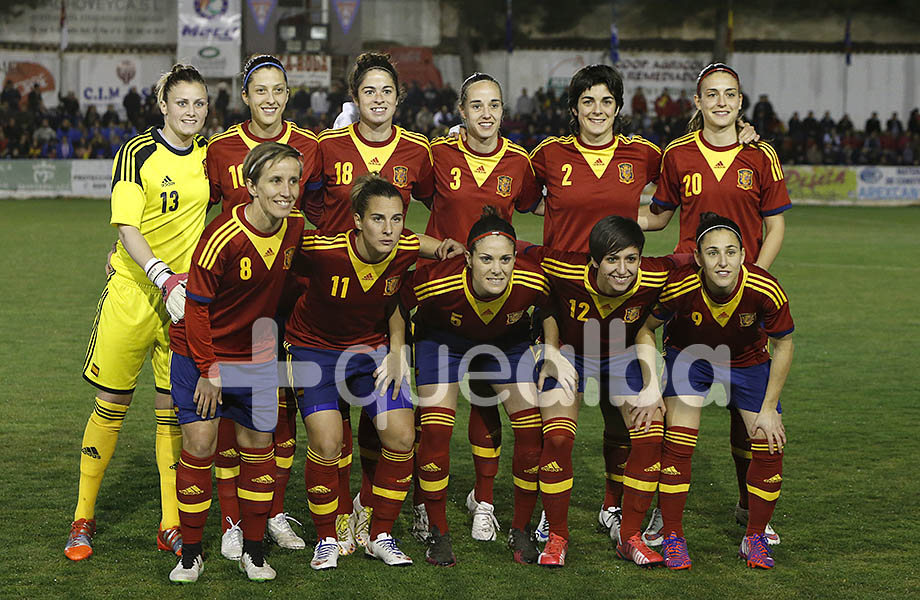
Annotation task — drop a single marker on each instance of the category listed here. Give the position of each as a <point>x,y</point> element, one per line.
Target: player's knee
<point>558,442</point>
<point>120,399</point>
<point>400,441</point>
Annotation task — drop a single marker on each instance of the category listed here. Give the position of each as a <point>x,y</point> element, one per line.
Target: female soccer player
<point>599,300</point>
<point>480,300</point>
<point>722,302</point>
<point>265,91</point>
<point>480,169</point>
<point>159,200</point>
<point>346,323</point>
<point>223,364</point>
<point>710,169</point>
<point>371,145</point>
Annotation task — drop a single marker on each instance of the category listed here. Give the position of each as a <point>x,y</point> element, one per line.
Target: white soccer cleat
<point>420,527</point>
<point>741,516</point>
<point>360,522</point>
<point>280,531</point>
<point>652,534</point>
<point>541,534</point>
<point>181,574</point>
<point>345,535</point>
<point>325,555</point>
<point>485,526</point>
<point>231,542</point>
<point>384,548</point>
<point>609,518</point>
<point>255,572</point>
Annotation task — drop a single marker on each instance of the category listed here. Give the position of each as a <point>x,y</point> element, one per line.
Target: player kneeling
<point>223,363</point>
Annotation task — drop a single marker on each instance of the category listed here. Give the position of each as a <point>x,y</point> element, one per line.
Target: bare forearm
<point>135,244</point>
<point>783,350</point>
<point>775,231</point>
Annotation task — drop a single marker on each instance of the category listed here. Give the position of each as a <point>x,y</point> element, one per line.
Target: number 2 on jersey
<point>693,184</point>
<point>335,286</point>
<point>582,306</point>
<point>566,174</point>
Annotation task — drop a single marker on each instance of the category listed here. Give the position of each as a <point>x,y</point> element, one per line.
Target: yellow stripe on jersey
<point>769,284</point>
<point>684,139</point>
<point>434,283</point>
<point>441,290</point>
<point>638,139</point>
<point>302,131</point>
<point>564,269</point>
<point>533,280</point>
<point>552,140</point>
<point>679,288</point>
<point>775,165</point>
<point>216,243</point>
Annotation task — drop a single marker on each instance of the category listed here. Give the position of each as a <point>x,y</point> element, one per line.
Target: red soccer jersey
<point>446,302</point>
<point>576,301</point>
<point>227,150</point>
<point>236,277</point>
<point>349,300</point>
<point>465,182</point>
<point>743,183</point>
<point>586,183</point>
<point>756,309</point>
<point>404,160</point>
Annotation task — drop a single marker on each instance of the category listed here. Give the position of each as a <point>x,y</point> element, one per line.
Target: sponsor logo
<point>229,453</point>
<point>719,165</point>
<point>268,253</point>
<point>487,312</point>
<point>871,175</point>
<point>263,479</point>
<point>504,186</point>
<point>747,319</point>
<point>90,451</point>
<point>368,277</point>
<point>627,175</point>
<point>745,179</point>
<point>318,489</point>
<point>288,258</point>
<point>375,162</point>
<point>167,182</point>
<point>653,468</point>
<point>670,471</point>
<point>775,479</point>
<point>532,470</point>
<point>126,70</point>
<point>94,369</point>
<point>405,479</point>
<point>632,314</point>
<point>599,162</point>
<point>209,52</point>
<point>401,176</point>
<point>285,444</point>
<point>210,9</point>
<point>192,490</point>
<point>174,466</point>
<point>261,12</point>
<point>552,467</point>
<point>391,286</point>
<point>480,169</point>
<point>514,317</point>
<point>430,468</point>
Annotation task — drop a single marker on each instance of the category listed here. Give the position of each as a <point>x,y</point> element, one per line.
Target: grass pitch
<point>847,514</point>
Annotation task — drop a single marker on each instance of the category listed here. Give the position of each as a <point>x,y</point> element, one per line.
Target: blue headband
<point>276,64</point>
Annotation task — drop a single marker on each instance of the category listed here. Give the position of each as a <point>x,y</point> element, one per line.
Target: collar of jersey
<point>368,273</point>
<point>485,309</point>
<point>607,304</point>
<point>722,312</point>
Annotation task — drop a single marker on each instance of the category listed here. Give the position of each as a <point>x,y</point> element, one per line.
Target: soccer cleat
<point>80,543</point>
<point>255,572</point>
<point>384,548</point>
<point>634,549</point>
<point>609,520</point>
<point>170,540</point>
<point>756,550</point>
<point>325,554</point>
<point>440,550</point>
<point>345,535</point>
<point>485,525</point>
<point>420,523</point>
<point>187,574</point>
<point>741,516</point>
<point>361,522</point>
<point>541,534</point>
<point>553,554</point>
<point>279,531</point>
<point>523,546</point>
<point>231,542</point>
<point>674,549</point>
<point>652,534</point>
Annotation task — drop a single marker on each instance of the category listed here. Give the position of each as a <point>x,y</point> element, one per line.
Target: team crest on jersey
<point>391,286</point>
<point>632,314</point>
<point>747,319</point>
<point>504,186</point>
<point>288,258</point>
<point>745,179</point>
<point>626,173</point>
<point>401,176</point>
<point>514,317</point>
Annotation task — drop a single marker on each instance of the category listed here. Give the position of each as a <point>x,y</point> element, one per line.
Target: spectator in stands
<point>443,118</point>
<point>894,126</point>
<point>34,101</point>
<point>222,101</point>
<point>424,120</point>
<point>873,125</point>
<point>827,123</point>
<point>44,134</point>
<point>319,102</point>
<point>684,106</point>
<point>525,105</point>
<point>11,96</point>
<point>70,106</point>
<point>4,144</point>
<point>810,125</point>
<point>432,97</point>
<point>763,114</point>
<point>663,104</point>
<point>132,104</point>
<point>844,125</point>
<point>639,104</point>
<point>92,115</point>
<point>13,129</point>
<point>109,116</point>
<point>913,122</point>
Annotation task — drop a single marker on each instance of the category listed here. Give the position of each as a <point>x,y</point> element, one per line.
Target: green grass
<point>847,515</point>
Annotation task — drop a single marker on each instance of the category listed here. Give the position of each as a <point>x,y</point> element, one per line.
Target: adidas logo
<point>670,471</point>
<point>598,162</point>
<point>404,479</point>
<point>231,453</point>
<point>552,467</point>
<point>653,468</point>
<point>264,479</point>
<point>775,479</point>
<point>606,307</point>
<point>531,470</point>
<point>286,444</point>
<point>319,489</point>
<point>480,169</point>
<point>90,451</point>
<point>723,315</point>
<point>167,182</point>
<point>375,162</point>
<point>487,312</point>
<point>174,466</point>
<point>268,253</point>
<point>192,490</point>
<point>719,165</point>
<point>368,277</point>
<point>622,466</point>
<point>430,468</point>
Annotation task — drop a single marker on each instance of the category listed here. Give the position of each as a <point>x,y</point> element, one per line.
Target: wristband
<point>157,271</point>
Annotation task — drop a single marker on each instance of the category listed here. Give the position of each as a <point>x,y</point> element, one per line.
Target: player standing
<point>159,200</point>
<point>265,91</point>
<point>709,169</point>
<point>371,145</point>
<point>223,367</point>
<point>721,301</point>
<point>356,276</point>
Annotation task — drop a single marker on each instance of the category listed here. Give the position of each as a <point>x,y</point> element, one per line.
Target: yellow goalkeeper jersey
<point>164,193</point>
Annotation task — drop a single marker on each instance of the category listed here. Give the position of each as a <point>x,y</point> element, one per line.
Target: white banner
<point>106,78</point>
<point>91,178</point>
<point>210,36</point>
<point>25,69</point>
<point>307,70</point>
<point>122,22</point>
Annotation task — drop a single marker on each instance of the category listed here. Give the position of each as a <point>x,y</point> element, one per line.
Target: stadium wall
<point>831,185</point>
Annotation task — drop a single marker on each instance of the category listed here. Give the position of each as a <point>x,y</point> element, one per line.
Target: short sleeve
<point>424,185</point>
<point>777,319</point>
<point>774,198</point>
<point>531,193</point>
<point>538,162</point>
<point>128,191</point>
<point>652,163</point>
<point>668,194</point>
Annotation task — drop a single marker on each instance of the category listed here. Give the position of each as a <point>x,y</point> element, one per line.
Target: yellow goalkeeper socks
<point>99,439</point>
<point>168,451</point>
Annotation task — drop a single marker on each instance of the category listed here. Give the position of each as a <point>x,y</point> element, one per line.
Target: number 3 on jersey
<point>170,201</point>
